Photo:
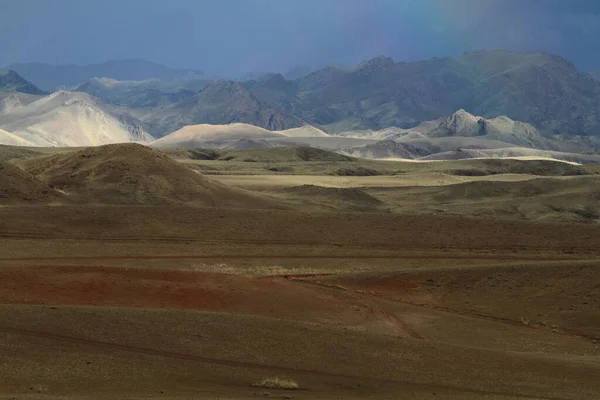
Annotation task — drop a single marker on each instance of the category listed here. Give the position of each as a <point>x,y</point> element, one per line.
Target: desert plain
<point>134,273</point>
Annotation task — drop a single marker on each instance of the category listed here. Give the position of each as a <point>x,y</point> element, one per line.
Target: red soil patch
<point>102,286</point>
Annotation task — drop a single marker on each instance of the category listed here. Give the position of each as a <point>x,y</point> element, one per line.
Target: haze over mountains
<point>53,77</point>
<point>10,81</point>
<point>530,100</point>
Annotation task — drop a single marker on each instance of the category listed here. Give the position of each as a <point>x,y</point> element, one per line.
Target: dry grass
<point>276,270</point>
<point>277,383</point>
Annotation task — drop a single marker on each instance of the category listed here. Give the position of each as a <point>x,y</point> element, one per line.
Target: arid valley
<point>300,199</point>
<point>412,284</point>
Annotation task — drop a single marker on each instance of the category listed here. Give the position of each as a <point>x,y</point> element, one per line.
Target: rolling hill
<point>134,174</point>
<point>223,136</point>
<point>303,132</point>
<point>463,135</point>
<point>17,186</point>
<point>8,152</point>
<point>197,135</point>
<point>514,152</point>
<point>282,154</point>
<point>571,198</point>
<point>457,147</point>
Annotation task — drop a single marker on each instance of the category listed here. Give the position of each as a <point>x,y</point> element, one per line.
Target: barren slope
<point>114,301</point>
<point>17,186</point>
<point>70,119</point>
<point>304,131</point>
<point>134,174</point>
<point>226,136</point>
<point>10,139</point>
<point>332,198</point>
<point>562,199</point>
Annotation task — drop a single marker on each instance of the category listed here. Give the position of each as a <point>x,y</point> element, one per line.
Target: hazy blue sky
<point>231,37</point>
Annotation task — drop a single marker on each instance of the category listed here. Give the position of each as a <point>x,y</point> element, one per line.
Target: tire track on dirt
<point>568,250</point>
<point>403,326</point>
<point>403,329</point>
<point>369,296</point>
<point>564,331</point>
<point>301,256</point>
<point>163,353</point>
<point>246,364</point>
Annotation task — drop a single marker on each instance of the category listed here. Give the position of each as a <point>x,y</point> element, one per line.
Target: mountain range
<point>463,135</point>
<point>221,102</point>
<point>535,100</point>
<point>539,88</point>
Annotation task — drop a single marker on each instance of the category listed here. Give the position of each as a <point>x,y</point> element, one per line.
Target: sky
<point>234,37</point>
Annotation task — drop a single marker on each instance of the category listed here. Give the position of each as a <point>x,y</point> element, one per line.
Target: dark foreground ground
<point>136,302</point>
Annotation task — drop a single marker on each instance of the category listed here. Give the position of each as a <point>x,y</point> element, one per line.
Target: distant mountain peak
<point>461,114</point>
<point>461,122</point>
<point>298,72</point>
<point>51,77</point>
<point>104,80</point>
<point>274,77</point>
<point>11,81</point>
<point>377,63</point>
<point>10,74</point>
<point>225,86</point>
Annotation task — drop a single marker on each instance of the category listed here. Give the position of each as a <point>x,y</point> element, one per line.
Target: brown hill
<point>10,152</point>
<point>539,189</point>
<point>572,198</point>
<point>17,186</point>
<point>135,174</point>
<point>332,198</point>
<point>284,154</point>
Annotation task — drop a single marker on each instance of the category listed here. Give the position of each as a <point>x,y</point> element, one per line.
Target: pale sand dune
<point>524,158</point>
<point>303,131</point>
<point>518,153</point>
<point>540,158</point>
<point>66,119</point>
<point>196,135</point>
<point>188,135</point>
<point>408,160</point>
<point>265,182</point>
